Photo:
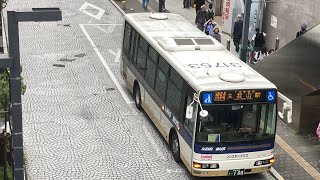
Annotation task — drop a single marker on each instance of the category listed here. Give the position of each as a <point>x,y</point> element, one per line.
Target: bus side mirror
<point>203,113</point>
<point>189,112</point>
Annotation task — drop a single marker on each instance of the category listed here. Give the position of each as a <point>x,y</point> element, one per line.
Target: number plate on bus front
<point>235,172</point>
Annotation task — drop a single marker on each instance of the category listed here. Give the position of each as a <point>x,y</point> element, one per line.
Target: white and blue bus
<point>217,114</point>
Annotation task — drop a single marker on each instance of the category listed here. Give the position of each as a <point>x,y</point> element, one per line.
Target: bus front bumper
<point>217,172</point>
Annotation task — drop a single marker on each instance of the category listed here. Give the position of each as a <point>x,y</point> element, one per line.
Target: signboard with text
<point>239,96</point>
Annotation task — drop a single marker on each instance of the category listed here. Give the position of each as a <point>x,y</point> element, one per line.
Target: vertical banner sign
<point>227,10</point>
<point>274,21</point>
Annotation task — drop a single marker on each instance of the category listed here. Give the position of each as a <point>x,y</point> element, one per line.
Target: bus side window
<point>189,123</point>
<point>162,78</point>
<point>134,46</point>
<point>151,69</point>
<point>127,38</point>
<point>142,56</point>
<point>174,93</point>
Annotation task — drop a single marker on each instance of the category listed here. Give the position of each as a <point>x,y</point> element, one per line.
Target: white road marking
<point>96,16</point>
<point>103,61</point>
<point>276,174</point>
<point>107,31</point>
<point>110,51</point>
<point>118,56</point>
<point>102,24</point>
<point>175,170</point>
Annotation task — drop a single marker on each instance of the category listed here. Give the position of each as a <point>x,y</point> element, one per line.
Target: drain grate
<point>110,89</point>
<point>80,55</point>
<point>59,65</point>
<point>66,60</point>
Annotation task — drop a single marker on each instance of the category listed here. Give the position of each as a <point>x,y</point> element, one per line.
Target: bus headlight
<point>214,166</point>
<point>264,162</point>
<point>258,163</point>
<point>205,166</point>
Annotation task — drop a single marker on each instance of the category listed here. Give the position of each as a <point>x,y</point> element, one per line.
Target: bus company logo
<point>167,111</point>
<point>221,148</point>
<point>206,148</point>
<point>206,157</point>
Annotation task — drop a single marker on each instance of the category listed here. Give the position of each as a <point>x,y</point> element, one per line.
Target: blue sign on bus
<point>207,98</point>
<point>271,96</point>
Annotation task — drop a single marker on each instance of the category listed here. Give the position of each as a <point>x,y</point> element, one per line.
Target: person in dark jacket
<point>201,17</point>
<point>198,4</point>
<point>259,40</point>
<point>211,11</point>
<point>237,32</point>
<point>303,30</point>
<point>216,34</point>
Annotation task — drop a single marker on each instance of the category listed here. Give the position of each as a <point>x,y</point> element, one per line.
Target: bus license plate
<point>236,172</point>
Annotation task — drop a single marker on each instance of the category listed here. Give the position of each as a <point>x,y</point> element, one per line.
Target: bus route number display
<point>237,96</point>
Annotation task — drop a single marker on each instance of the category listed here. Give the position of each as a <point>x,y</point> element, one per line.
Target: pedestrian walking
<point>201,17</point>
<point>209,27</point>
<point>237,32</point>
<point>248,53</point>
<point>303,30</point>
<point>162,7</point>
<point>211,12</point>
<point>270,52</point>
<point>259,40</point>
<point>198,4</point>
<point>216,34</point>
<point>145,4</point>
<point>186,4</point>
<point>260,55</point>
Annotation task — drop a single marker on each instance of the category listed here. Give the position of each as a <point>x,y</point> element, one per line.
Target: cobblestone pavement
<point>76,123</point>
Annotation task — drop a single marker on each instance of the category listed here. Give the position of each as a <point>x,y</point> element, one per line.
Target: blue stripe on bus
<point>175,122</point>
<point>241,148</point>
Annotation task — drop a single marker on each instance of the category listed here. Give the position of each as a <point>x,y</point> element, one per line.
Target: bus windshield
<point>236,123</point>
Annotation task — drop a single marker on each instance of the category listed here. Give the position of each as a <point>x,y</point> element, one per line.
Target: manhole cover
<point>59,65</point>
<point>66,60</point>
<point>80,55</point>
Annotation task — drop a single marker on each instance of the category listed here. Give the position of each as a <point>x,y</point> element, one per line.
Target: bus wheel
<point>175,147</point>
<point>137,96</point>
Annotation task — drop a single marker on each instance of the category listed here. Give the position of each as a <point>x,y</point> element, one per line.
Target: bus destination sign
<point>239,96</point>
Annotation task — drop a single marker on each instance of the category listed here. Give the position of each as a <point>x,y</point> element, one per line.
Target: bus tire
<point>175,147</point>
<point>137,96</point>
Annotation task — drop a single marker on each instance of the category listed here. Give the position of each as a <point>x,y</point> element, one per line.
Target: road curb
<point>275,174</point>
<point>119,8</point>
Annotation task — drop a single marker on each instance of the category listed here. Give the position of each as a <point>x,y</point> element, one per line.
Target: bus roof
<point>200,59</point>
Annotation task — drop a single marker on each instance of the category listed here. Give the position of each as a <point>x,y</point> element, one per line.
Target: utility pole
<point>12,61</point>
<point>245,30</point>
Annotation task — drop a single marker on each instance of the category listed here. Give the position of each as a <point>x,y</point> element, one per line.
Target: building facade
<point>282,19</point>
